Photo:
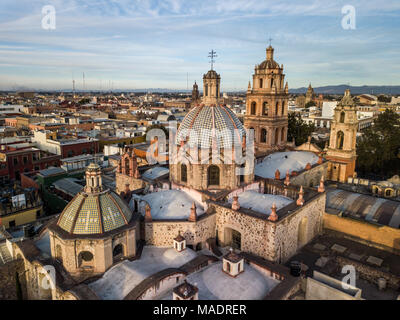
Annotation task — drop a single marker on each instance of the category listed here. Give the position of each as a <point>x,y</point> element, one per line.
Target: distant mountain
<point>339,89</point>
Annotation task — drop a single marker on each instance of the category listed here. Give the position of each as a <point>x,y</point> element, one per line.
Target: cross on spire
<point>212,54</point>
<point>270,40</point>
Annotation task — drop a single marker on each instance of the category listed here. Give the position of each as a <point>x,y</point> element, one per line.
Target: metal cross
<point>270,40</point>
<point>212,54</point>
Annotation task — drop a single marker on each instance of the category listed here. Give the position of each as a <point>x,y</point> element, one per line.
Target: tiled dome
<point>94,210</point>
<point>200,122</point>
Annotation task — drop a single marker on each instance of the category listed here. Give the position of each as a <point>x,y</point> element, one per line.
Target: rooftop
<point>283,161</point>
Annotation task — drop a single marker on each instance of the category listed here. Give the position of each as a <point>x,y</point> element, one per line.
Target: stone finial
<point>300,200</point>
<point>235,203</point>
<point>287,178</point>
<point>321,187</point>
<point>320,159</point>
<point>147,215</point>
<point>308,166</point>
<point>277,175</point>
<point>193,214</point>
<point>273,216</point>
<point>249,86</point>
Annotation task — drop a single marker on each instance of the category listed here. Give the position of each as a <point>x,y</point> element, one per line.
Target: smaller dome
<point>268,64</point>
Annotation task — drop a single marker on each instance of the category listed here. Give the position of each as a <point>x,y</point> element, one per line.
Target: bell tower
<point>267,105</point>
<point>211,83</point>
<point>342,144</point>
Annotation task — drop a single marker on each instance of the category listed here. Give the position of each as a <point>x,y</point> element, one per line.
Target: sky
<point>135,44</point>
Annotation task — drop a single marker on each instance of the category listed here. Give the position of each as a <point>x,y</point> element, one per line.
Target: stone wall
<point>162,233</point>
<point>378,236</point>
<point>275,241</point>
<point>122,179</point>
<point>311,178</point>
<point>8,282</point>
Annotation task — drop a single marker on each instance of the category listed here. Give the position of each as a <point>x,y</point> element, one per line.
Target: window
<point>213,175</point>
<point>342,115</point>
<point>263,135</point>
<point>253,108</point>
<point>11,224</point>
<point>339,140</point>
<point>206,90</point>
<point>276,108</point>
<point>15,161</point>
<point>283,108</point>
<point>86,256</point>
<point>183,173</point>
<point>272,82</point>
<point>265,108</point>
<point>25,160</point>
<point>38,213</point>
<point>261,83</point>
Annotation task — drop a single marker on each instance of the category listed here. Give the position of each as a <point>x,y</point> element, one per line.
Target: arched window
<point>213,175</point>
<point>276,108</point>
<point>261,83</point>
<point>183,173</point>
<point>283,108</point>
<point>265,108</point>
<point>206,90</point>
<point>339,140</point>
<point>216,91</point>
<point>342,114</point>
<point>85,258</point>
<point>263,135</point>
<point>272,82</point>
<point>118,250</point>
<point>253,108</point>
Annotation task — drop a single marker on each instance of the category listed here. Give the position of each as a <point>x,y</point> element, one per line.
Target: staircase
<point>5,255</point>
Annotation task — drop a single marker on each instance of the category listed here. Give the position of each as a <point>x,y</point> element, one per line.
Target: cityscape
<point>235,171</point>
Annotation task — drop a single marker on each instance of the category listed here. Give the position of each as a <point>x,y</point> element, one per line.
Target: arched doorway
<point>233,238</point>
<point>118,252</point>
<point>302,233</point>
<point>213,176</point>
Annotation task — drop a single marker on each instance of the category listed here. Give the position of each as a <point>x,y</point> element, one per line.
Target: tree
<point>298,129</point>
<point>383,98</point>
<point>378,150</point>
<point>309,104</point>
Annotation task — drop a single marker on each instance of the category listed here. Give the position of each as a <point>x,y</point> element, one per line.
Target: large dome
<point>94,210</point>
<point>202,123</point>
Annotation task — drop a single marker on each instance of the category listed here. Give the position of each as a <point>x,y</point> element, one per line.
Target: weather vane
<point>212,54</point>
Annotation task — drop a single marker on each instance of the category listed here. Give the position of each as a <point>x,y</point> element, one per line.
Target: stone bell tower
<point>342,145</point>
<point>267,105</point>
<point>211,84</point>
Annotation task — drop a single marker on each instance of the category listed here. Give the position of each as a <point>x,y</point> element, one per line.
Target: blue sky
<point>133,44</point>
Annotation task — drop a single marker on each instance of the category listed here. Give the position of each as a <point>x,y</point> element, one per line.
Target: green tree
<point>298,129</point>
<point>309,104</point>
<point>378,149</point>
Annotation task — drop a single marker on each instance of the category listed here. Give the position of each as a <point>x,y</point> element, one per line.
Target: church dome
<point>203,124</point>
<point>94,210</point>
<point>269,63</point>
<point>211,74</point>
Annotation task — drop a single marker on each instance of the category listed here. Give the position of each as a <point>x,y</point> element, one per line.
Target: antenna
<point>212,54</point>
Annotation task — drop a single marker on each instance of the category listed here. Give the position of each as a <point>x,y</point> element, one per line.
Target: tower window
<point>265,108</point>
<point>283,108</point>
<point>253,108</point>
<point>339,140</point>
<point>277,108</point>
<point>261,83</point>
<point>272,82</point>
<point>206,90</point>
<point>183,173</point>
<point>342,114</point>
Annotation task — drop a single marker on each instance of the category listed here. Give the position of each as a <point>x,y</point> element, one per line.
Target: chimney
<point>300,200</point>
<point>321,187</point>
<point>287,179</point>
<point>273,216</point>
<point>277,175</point>
<point>193,214</point>
<point>147,216</point>
<point>235,203</point>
